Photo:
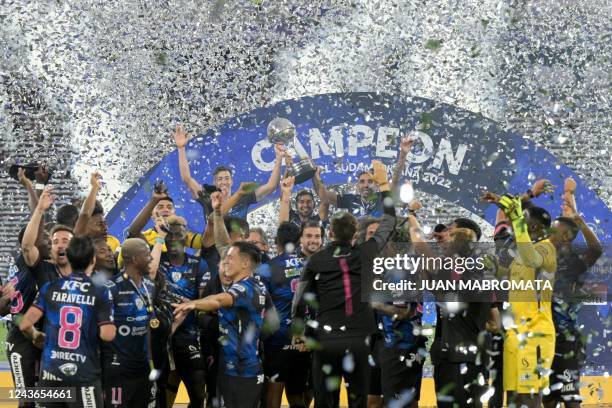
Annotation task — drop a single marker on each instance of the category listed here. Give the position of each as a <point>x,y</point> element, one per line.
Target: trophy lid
<point>281,130</point>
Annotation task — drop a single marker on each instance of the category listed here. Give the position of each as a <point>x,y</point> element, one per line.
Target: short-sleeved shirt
<point>74,307</point>
<point>44,271</point>
<point>240,327</point>
<point>186,280</point>
<point>129,351</point>
<point>25,286</point>
<point>241,209</point>
<point>281,277</point>
<point>372,207</point>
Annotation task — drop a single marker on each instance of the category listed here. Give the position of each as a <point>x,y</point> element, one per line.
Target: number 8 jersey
<point>74,308</point>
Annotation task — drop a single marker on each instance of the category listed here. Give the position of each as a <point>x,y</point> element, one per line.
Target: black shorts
<point>23,359</point>
<point>124,389</point>
<point>187,354</point>
<point>402,371</point>
<point>87,395</point>
<point>288,366</point>
<point>459,384</point>
<point>565,377</point>
<point>240,392</point>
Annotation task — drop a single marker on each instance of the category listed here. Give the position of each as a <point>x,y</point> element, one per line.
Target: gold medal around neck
<point>154,323</point>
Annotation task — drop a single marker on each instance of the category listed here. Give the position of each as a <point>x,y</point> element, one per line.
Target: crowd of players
<point>239,319</point>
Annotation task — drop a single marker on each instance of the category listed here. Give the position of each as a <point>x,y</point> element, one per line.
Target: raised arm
<point>405,146</point>
<point>144,215</point>
<point>272,182</point>
<point>514,211</point>
<point>156,251</point>
<point>285,199</point>
<point>208,304</point>
<point>89,204</point>
<point>28,243</point>
<point>222,238</point>
<point>181,138</point>
<point>387,222</point>
<point>324,194</point>
<point>244,189</point>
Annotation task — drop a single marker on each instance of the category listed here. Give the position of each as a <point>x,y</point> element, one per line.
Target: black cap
<point>469,224</point>
<point>539,214</point>
<point>30,170</point>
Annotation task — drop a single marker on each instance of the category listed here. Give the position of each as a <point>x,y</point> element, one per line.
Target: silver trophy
<point>281,130</point>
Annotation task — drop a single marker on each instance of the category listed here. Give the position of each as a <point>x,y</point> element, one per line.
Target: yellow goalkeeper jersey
<point>532,308</point>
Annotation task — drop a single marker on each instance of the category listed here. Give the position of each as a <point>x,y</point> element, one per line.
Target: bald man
<point>126,359</point>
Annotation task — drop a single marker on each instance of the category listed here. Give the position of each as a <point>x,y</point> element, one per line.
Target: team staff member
<point>285,366</point>
<point>334,276</point>
<point>126,359</point>
<point>527,360</point>
<point>241,319</point>
<point>77,313</point>
<point>185,275</point>
<point>222,180</point>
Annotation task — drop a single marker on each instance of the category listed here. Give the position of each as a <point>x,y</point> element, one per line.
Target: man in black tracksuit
<point>335,276</point>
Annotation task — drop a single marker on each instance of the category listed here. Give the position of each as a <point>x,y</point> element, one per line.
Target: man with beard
<point>334,277</point>
<point>126,359</point>
<point>91,220</point>
<point>572,265</point>
<point>223,181</point>
<point>311,238</point>
<point>368,201</point>
<point>304,204</point>
<point>77,315</point>
<point>44,271</point>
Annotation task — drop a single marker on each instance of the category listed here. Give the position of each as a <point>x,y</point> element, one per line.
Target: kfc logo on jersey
<point>74,285</point>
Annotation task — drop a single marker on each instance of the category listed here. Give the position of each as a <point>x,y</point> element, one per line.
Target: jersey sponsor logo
<point>63,355</point>
<point>293,262</point>
<point>524,363</point>
<point>9,346</point>
<point>88,396</point>
<point>68,369</point>
<point>48,376</point>
<point>139,303</point>
<point>176,276</point>
<point>74,285</point>
<point>17,370</point>
<point>262,300</point>
<point>260,379</point>
<point>291,273</point>
<point>73,298</point>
